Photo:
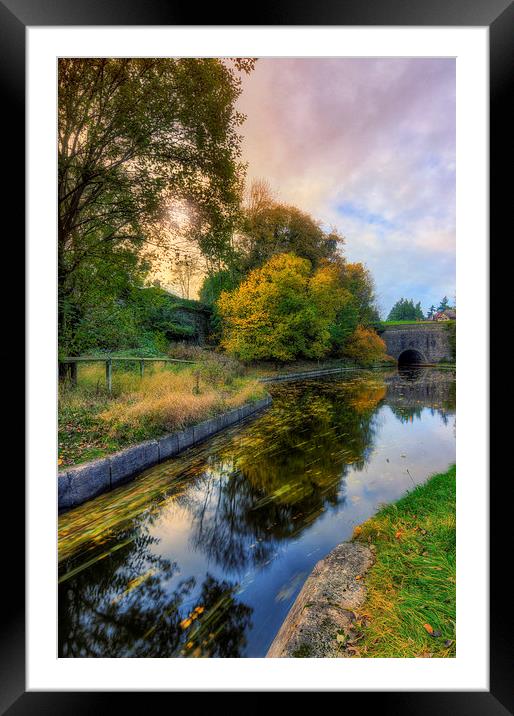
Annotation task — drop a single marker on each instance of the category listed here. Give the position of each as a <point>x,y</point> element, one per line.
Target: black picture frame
<point>498,15</point>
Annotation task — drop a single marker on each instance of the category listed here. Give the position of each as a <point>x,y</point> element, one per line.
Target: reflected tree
<point>284,472</point>
<point>127,607</point>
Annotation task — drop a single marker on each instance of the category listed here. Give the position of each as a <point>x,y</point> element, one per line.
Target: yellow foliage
<point>364,346</point>
<point>282,310</point>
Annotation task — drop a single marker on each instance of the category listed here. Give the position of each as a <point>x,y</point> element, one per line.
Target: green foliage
<point>285,229</point>
<point>345,324</point>
<point>357,280</point>
<point>135,135</point>
<point>142,319</point>
<point>214,283</point>
<point>405,310</point>
<point>282,311</point>
<point>444,304</point>
<point>269,228</point>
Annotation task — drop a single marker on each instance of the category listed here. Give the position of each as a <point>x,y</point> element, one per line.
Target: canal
<point>204,555</point>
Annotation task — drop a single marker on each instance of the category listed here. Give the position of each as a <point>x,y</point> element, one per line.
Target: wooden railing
<point>72,362</point>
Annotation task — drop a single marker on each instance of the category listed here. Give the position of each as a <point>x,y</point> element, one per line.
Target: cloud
<point>367,145</point>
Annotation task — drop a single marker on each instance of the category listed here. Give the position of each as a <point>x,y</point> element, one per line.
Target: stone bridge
<point>422,343</point>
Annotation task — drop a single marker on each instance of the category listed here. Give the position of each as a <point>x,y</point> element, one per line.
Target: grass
<point>384,324</point>
<point>410,605</point>
<point>169,397</point>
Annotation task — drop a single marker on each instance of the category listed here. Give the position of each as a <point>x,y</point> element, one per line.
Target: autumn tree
<point>364,346</point>
<point>269,227</point>
<point>282,310</point>
<point>134,135</point>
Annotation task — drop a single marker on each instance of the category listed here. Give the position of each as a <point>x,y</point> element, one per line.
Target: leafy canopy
<point>269,228</point>
<point>282,310</point>
<point>135,135</point>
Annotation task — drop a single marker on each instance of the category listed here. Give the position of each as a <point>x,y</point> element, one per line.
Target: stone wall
<point>431,341</point>
<point>83,482</point>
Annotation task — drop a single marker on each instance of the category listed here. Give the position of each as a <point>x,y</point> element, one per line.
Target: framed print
<point>245,243</point>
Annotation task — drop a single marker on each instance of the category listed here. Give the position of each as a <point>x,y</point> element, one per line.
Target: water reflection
<point>124,607</point>
<point>203,556</point>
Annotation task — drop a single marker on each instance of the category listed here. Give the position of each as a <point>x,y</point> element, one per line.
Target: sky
<point>366,146</point>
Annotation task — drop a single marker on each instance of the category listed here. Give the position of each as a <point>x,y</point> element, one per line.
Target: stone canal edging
<point>83,482</point>
<point>321,621</point>
<point>307,374</point>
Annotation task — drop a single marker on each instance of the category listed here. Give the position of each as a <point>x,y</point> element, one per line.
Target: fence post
<point>108,374</point>
<point>73,373</point>
<point>141,368</point>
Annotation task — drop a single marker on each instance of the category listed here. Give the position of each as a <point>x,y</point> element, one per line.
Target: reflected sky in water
<point>204,555</point>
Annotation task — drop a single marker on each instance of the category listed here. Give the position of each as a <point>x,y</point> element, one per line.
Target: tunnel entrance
<point>411,357</point>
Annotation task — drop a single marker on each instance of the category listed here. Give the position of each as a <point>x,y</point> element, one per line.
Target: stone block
<point>185,438</point>
<point>232,417</point>
<point>64,492</point>
<point>89,480</point>
<point>168,446</point>
<point>205,430</point>
<point>128,463</point>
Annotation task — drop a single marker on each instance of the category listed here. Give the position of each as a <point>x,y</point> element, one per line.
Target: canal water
<point>204,555</point>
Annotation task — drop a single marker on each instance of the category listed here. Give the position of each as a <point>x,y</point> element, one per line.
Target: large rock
<point>320,622</point>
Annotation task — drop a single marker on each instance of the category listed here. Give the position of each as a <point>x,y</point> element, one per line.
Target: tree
<point>431,311</point>
<point>358,281</point>
<point>365,346</point>
<point>133,135</point>
<point>184,269</point>
<point>281,311</point>
<point>444,304</point>
<point>269,228</point>
<point>405,310</point>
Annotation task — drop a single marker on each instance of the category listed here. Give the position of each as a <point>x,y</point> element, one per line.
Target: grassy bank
<point>93,423</point>
<point>410,607</point>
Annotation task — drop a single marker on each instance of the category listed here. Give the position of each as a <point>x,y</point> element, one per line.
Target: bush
<point>365,347</point>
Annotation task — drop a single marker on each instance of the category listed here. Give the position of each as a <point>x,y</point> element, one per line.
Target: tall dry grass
<point>168,397</point>
<point>170,401</point>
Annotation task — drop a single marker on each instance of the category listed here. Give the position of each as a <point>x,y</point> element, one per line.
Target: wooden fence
<point>72,363</point>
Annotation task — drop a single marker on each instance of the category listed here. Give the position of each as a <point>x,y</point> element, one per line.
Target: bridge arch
<point>411,356</point>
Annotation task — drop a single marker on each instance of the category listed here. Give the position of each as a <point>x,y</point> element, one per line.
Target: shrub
<point>364,346</point>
